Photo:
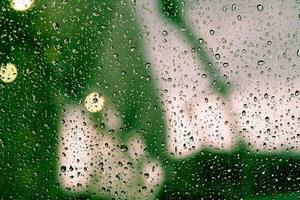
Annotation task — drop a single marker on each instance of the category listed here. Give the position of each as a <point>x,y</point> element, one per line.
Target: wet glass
<point>162,99</point>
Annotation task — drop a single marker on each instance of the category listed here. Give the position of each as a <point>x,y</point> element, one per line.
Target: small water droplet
<point>165,33</point>
<point>244,113</point>
<point>224,8</point>
<point>55,26</point>
<point>260,7</point>
<point>298,52</point>
<point>201,40</point>
<point>260,62</point>
<point>124,148</point>
<point>133,2</point>
<point>217,56</point>
<point>63,169</point>
<point>267,119</point>
<point>225,65</point>
<point>233,7</point>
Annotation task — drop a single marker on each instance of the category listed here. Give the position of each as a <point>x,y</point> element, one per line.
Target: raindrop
<point>244,113</point>
<point>124,148</point>
<point>260,62</point>
<point>63,169</point>
<point>260,7</point>
<point>165,33</point>
<point>146,175</point>
<point>224,8</point>
<point>133,2</point>
<point>217,56</point>
<point>55,26</point>
<point>225,65</point>
<point>96,13</point>
<point>298,52</point>
<point>233,7</point>
<point>267,119</point>
<point>201,40</point>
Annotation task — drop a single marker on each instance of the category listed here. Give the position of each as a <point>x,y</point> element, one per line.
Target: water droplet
<point>225,65</point>
<point>201,40</point>
<point>260,62</point>
<point>260,7</point>
<point>298,52</point>
<point>148,66</point>
<point>55,26</point>
<point>217,56</point>
<point>124,148</point>
<point>267,119</point>
<point>63,169</point>
<point>96,13</point>
<point>165,33</point>
<point>233,7</point>
<point>244,113</point>
<point>224,8</point>
<point>133,2</point>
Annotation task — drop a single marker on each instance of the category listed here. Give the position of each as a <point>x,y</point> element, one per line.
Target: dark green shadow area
<point>233,175</point>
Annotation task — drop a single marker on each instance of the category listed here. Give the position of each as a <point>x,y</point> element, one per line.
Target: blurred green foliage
<point>63,50</point>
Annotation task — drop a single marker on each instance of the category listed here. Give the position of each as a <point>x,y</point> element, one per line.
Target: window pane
<point>161,99</point>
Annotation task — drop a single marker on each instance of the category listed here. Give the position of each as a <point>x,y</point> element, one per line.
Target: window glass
<point>160,99</point>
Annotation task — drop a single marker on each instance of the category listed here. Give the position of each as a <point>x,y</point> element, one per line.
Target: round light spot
<point>21,5</point>
<point>94,102</point>
<point>8,73</point>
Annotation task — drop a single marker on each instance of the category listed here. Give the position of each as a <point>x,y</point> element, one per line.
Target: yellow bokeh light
<point>8,73</point>
<point>21,5</point>
<point>94,102</point>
